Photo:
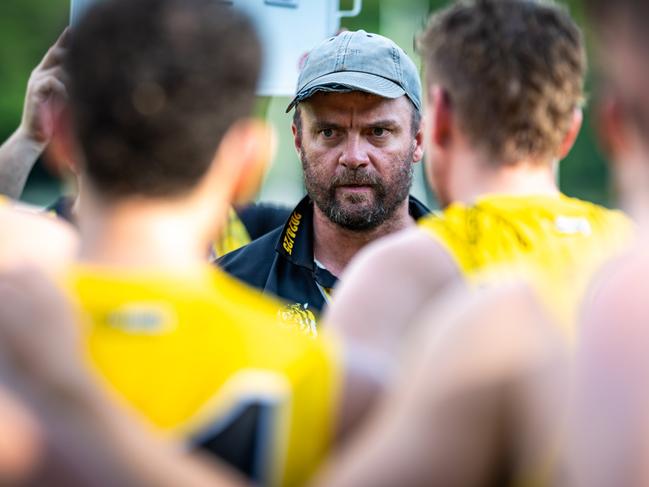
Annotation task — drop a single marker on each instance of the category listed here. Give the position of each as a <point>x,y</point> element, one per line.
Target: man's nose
<point>354,155</point>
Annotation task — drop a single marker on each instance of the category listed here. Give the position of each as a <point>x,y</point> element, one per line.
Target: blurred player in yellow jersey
<point>505,87</point>
<point>159,92</point>
<point>476,402</point>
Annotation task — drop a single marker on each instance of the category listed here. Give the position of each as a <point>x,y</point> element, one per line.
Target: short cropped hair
<point>513,71</point>
<point>154,86</point>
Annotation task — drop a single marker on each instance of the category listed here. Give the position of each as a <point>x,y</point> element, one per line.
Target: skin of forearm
<point>110,442</point>
<point>17,157</point>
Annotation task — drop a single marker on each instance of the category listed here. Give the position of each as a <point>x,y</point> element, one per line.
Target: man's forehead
<point>356,102</point>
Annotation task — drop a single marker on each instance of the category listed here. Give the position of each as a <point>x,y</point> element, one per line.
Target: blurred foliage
<point>28,27</point>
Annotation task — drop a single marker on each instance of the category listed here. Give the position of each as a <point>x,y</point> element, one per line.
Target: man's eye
<point>327,133</point>
<point>379,132</point>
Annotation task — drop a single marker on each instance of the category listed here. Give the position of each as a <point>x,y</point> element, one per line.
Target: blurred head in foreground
<point>156,105</point>
<point>622,48</point>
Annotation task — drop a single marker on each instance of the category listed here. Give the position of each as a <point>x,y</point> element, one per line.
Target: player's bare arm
<point>36,239</point>
<point>45,92</point>
<point>386,285</point>
<point>463,399</point>
<point>610,413</point>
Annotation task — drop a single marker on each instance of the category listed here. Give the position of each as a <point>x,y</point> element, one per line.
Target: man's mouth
<point>355,188</point>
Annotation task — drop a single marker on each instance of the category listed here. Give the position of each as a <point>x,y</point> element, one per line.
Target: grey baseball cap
<point>359,61</point>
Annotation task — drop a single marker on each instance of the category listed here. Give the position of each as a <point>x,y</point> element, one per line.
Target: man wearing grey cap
<point>357,131</point>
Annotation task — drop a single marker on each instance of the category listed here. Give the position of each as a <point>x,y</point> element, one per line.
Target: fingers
<point>56,72</point>
<point>53,57</point>
<point>56,53</point>
<point>64,38</point>
<point>47,83</point>
<point>46,93</point>
<point>50,85</point>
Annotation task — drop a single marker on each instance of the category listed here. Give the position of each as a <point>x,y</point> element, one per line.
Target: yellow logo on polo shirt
<point>291,232</point>
<point>299,315</point>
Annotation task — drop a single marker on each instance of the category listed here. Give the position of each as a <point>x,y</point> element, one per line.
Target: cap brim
<point>349,80</point>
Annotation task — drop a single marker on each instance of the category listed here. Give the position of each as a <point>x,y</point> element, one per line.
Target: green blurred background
<point>28,27</point>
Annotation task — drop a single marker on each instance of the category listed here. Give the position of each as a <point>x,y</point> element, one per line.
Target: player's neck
<point>143,234</point>
<point>334,246</point>
<point>476,180</point>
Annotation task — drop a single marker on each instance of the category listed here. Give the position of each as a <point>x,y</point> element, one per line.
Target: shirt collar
<point>295,243</point>
<point>416,208</point>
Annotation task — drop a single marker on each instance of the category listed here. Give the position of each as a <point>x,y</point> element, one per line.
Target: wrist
<point>28,138</point>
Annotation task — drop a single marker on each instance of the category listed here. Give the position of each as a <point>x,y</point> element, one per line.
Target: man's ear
<point>441,118</point>
<point>612,128</point>
<point>573,132</point>
<point>63,153</point>
<point>297,135</point>
<point>418,152</point>
<point>243,158</point>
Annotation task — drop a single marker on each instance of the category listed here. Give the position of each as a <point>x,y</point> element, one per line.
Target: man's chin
<point>355,195</point>
<point>355,219</point>
<point>354,199</point>
<point>356,210</point>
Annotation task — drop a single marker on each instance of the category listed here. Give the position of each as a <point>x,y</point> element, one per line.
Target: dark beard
<point>354,215</point>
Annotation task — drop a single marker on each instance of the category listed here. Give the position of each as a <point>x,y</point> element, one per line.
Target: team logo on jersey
<point>141,318</point>
<point>291,232</point>
<point>300,316</point>
<point>572,226</point>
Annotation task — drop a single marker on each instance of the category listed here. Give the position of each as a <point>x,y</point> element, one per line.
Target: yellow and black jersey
<point>205,359</point>
<point>558,241</point>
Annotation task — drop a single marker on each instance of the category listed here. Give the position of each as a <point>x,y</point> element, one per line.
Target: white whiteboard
<point>288,30</point>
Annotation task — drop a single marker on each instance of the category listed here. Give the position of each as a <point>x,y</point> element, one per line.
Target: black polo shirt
<point>282,263</point>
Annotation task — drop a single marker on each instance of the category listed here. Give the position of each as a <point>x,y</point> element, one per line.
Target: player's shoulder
<point>410,251</point>
<point>453,222</point>
<point>619,286</point>
<point>595,209</point>
<point>31,237</point>
<point>205,286</point>
<point>605,224</point>
<point>208,304</point>
<point>613,315</point>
